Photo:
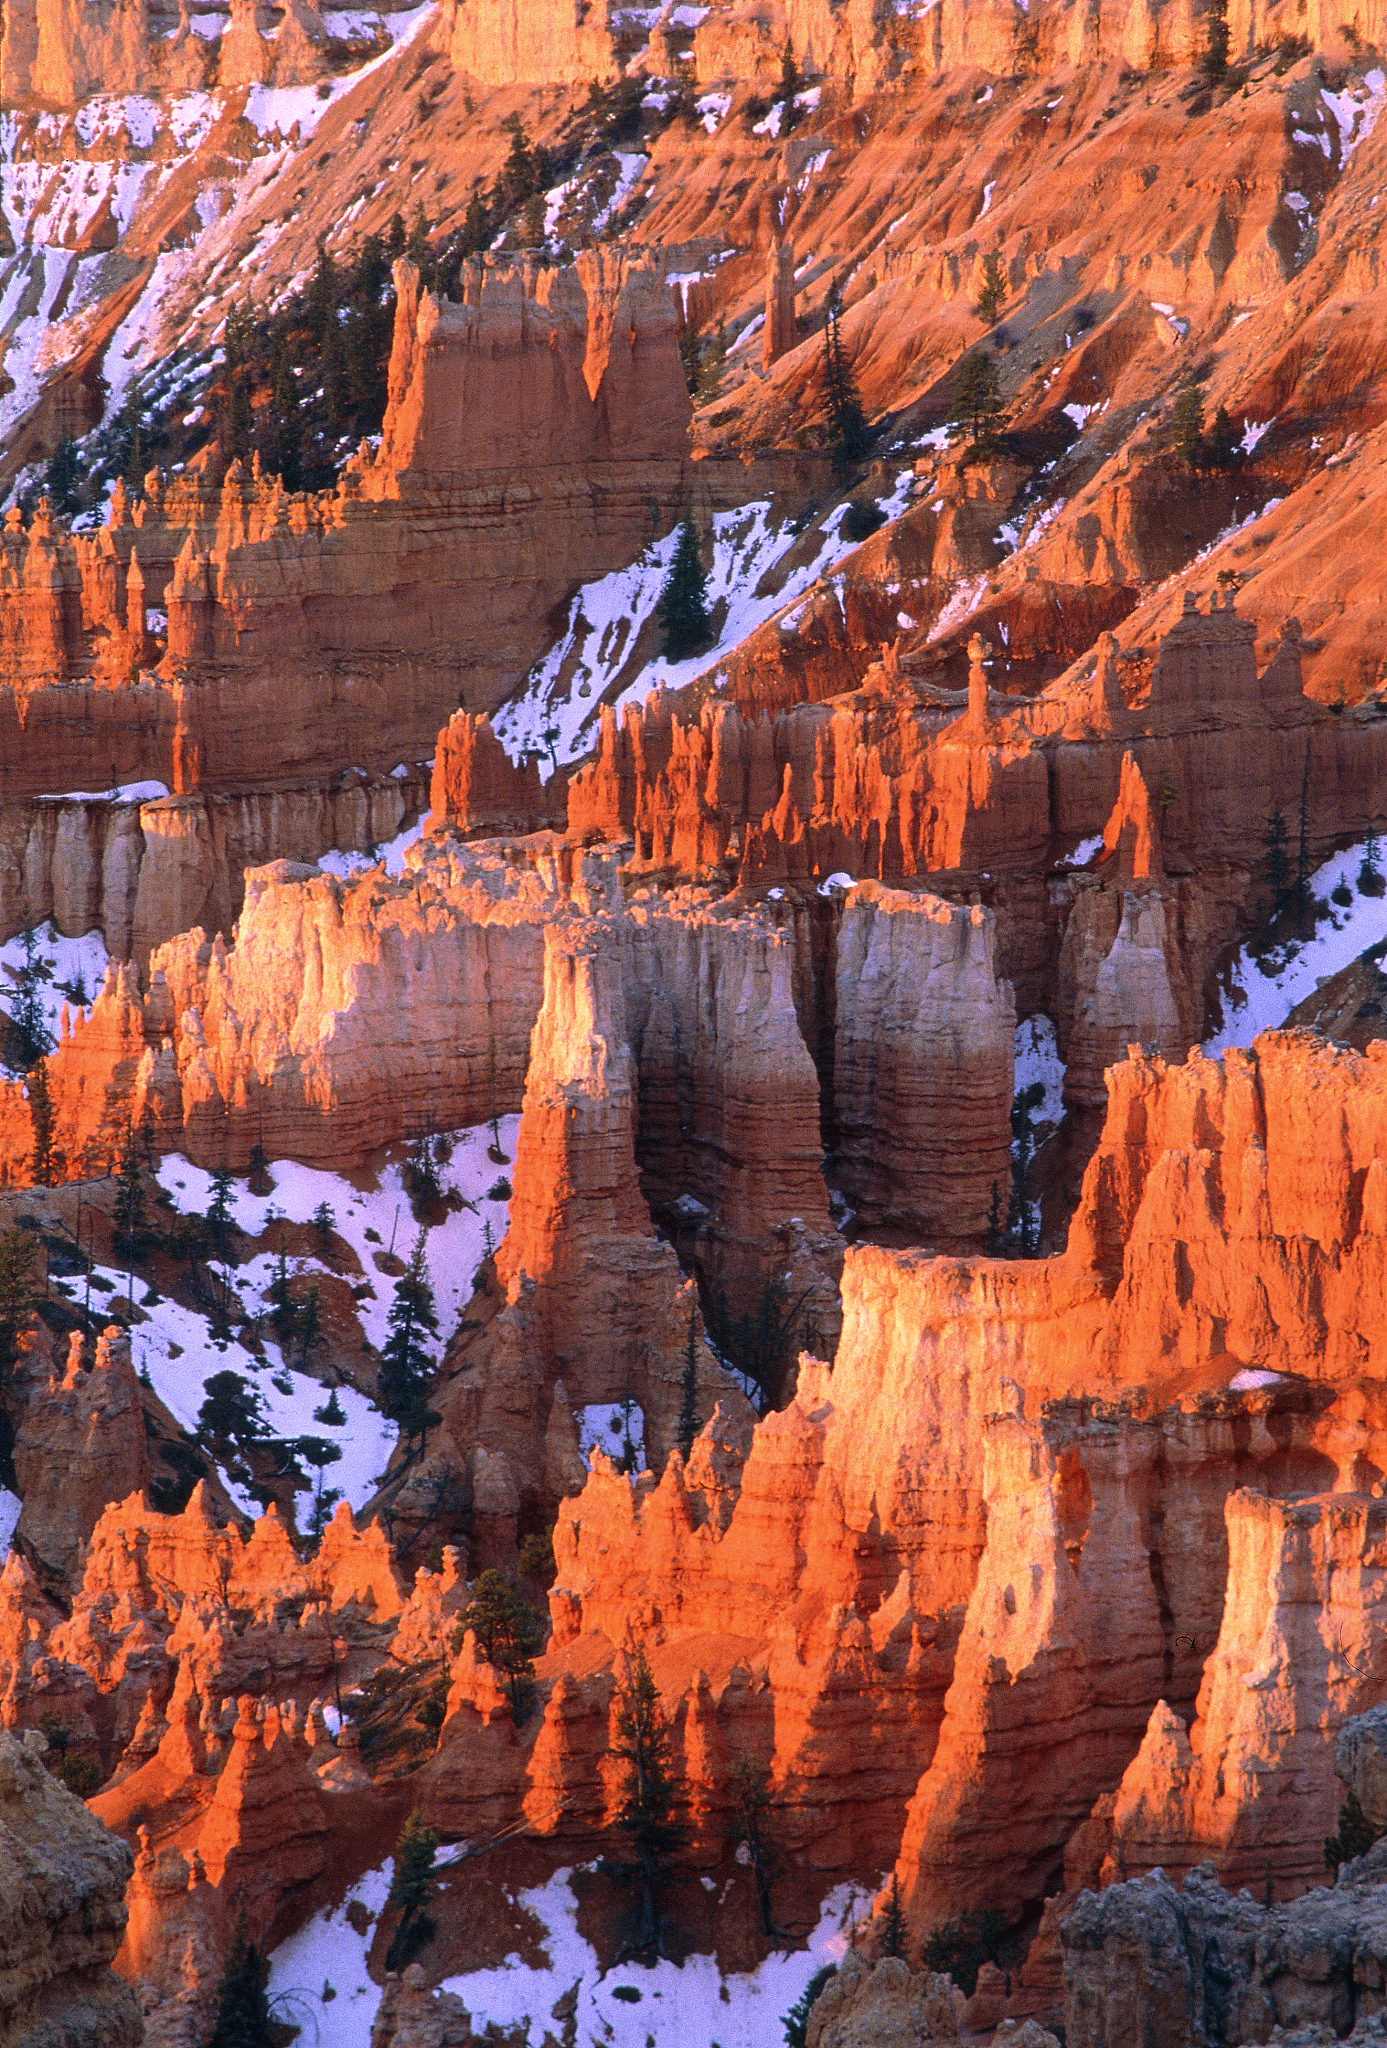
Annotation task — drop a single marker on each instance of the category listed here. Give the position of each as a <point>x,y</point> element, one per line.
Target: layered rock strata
<point>528,430</point>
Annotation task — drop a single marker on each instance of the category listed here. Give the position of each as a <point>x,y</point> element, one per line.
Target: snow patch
<point>1264,992</point>
<point>1038,1059</point>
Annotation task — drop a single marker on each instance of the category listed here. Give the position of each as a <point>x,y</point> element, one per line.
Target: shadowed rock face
<point>62,1909</point>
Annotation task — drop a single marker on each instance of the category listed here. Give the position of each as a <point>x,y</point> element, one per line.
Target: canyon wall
<point>427,574</point>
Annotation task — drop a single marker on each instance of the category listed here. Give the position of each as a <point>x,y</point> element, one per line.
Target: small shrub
<point>860,522</point>
<point>80,1775</point>
<point>1341,893</point>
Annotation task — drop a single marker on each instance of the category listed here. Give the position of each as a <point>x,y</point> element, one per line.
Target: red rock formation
<point>476,792</point>
<point>81,1443</point>
<point>780,328</point>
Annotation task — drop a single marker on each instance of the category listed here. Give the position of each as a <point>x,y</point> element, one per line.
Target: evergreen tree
<point>411,1889</point>
<point>691,358</point>
<point>417,247</point>
<point>310,1322</point>
<point>1214,62</point>
<point>337,389</point>
<point>62,476</point>
<point>1188,423</point>
<point>1304,901</point>
<point>284,421</point>
<point>532,232</point>
<point>507,1632</point>
<point>406,1365</point>
<point>1355,1835</point>
<point>219,1219</point>
<point>30,1037</point>
<point>977,408</point>
<point>624,109</point>
<point>318,1452</point>
<point>237,419</point>
<point>1276,867</point>
<point>1021,1223</point>
<point>517,178</point>
<point>230,1416</point>
<point>687,1429</point>
<point>132,445</point>
<point>796,2020</point>
<point>18,1290</point>
<point>789,86</point>
<point>476,226</point>
<point>682,610</point>
<point>45,1163</point>
<point>647,1787</point>
<point>995,292</point>
<point>332,1412</point>
<point>846,420</point>
<point>396,237</point>
<point>243,2010</point>
<point>1370,876</point>
<point>128,1208</point>
<point>1223,441</point>
<point>324,1222</point>
<point>325,292</point>
<point>751,1794</point>
<point>893,1930</point>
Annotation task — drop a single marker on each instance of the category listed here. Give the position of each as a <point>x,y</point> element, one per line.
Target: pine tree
<point>128,1208</point>
<point>417,247</point>
<point>324,1222</point>
<point>796,2020</point>
<point>45,1164</point>
<point>332,1412</point>
<point>751,1793</point>
<point>1188,422</point>
<point>1356,1835</point>
<point>318,1452</point>
<point>406,1365</point>
<point>1370,876</point>
<point>219,1220</point>
<point>687,1428</point>
<point>647,1787</point>
<point>1214,62</point>
<point>476,226</point>
<point>62,476</point>
<point>995,292</point>
<point>1020,1222</point>
<point>1303,898</point>
<point>18,1289</point>
<point>691,358</point>
<point>32,1038</point>
<point>846,420</point>
<point>682,609</point>
<point>507,1632</point>
<point>1223,441</point>
<point>789,86</point>
<point>893,1922</point>
<point>243,2010</point>
<point>517,178</point>
<point>284,422</point>
<point>230,1413</point>
<point>134,454</point>
<point>411,1889</point>
<point>1276,868</point>
<point>236,418</point>
<point>532,232</point>
<point>325,293</point>
<point>977,408</point>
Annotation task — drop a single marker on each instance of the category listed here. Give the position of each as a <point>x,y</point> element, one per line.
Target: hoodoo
<point>693,1130</point>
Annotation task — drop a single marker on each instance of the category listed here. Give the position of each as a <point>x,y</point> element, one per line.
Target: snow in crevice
<point>565,692</point>
<point>695,2005</point>
<point>1265,991</point>
<point>1038,1059</point>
